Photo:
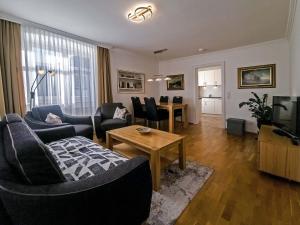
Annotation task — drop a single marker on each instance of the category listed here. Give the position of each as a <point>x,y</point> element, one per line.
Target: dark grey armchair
<point>104,119</point>
<point>83,125</point>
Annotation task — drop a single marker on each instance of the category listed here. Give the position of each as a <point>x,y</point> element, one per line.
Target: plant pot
<point>262,122</point>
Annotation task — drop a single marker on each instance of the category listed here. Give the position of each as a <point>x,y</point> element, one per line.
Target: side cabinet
<point>277,155</point>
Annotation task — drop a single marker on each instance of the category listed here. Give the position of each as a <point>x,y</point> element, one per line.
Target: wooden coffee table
<point>153,143</point>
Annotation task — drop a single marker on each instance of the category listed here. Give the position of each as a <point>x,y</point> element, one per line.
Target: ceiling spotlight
<point>150,80</point>
<point>140,14</point>
<point>167,78</point>
<point>202,50</point>
<point>158,79</point>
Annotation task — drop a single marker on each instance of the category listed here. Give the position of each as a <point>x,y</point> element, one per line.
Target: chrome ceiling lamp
<point>159,77</point>
<point>140,14</point>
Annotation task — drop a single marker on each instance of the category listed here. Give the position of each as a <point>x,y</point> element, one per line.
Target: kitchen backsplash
<point>210,90</point>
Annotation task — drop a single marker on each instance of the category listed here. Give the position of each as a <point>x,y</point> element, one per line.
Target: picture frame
<point>131,82</point>
<point>262,76</point>
<point>176,82</point>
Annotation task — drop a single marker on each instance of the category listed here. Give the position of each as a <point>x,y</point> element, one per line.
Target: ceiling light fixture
<point>201,50</point>
<point>140,14</point>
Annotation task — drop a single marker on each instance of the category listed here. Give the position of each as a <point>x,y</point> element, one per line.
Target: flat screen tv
<point>286,114</point>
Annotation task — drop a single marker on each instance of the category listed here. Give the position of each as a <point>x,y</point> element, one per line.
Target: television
<point>286,115</point>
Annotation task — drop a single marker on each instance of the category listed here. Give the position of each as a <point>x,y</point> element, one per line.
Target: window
<point>73,86</point>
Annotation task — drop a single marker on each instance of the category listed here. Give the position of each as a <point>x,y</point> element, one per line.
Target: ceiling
<point>182,26</point>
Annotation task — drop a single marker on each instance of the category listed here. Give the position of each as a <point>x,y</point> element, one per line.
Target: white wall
<point>129,61</point>
<point>295,53</point>
<point>264,53</point>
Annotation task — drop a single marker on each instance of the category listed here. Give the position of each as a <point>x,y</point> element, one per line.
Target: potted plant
<point>260,109</point>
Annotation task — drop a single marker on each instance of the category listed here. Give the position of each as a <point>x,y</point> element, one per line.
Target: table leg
<point>184,114</point>
<point>155,169</point>
<point>182,156</point>
<point>171,120</point>
<point>109,141</point>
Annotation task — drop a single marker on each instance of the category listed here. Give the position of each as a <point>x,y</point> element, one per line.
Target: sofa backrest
<point>108,109</point>
<point>40,113</point>
<point>27,155</point>
<point>7,172</point>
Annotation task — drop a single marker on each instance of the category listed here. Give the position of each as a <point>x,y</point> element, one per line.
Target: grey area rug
<point>178,187</point>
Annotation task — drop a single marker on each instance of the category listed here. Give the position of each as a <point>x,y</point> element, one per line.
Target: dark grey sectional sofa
<point>35,188</point>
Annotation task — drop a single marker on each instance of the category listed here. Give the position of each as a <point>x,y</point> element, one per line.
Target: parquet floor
<point>237,193</point>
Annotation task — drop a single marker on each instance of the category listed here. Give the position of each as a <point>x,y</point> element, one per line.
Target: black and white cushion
<point>79,157</point>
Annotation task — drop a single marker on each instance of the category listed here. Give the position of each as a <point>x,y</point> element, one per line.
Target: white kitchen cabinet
<point>211,106</point>
<point>218,106</point>
<point>217,77</point>
<point>209,77</point>
<point>207,106</point>
<point>201,78</point>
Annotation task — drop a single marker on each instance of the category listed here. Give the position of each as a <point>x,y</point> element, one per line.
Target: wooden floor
<point>237,193</point>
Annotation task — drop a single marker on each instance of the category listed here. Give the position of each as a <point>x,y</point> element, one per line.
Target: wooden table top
<point>155,140</point>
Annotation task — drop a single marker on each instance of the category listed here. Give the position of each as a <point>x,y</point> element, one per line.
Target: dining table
<point>171,107</point>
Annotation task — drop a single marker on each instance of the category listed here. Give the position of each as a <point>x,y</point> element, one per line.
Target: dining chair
<point>164,99</point>
<point>153,113</point>
<point>178,112</point>
<point>138,111</point>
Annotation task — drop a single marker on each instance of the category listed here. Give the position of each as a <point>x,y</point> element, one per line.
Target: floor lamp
<point>43,73</point>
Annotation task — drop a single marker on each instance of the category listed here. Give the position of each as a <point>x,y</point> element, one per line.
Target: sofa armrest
<point>78,119</point>
<point>54,134</point>
<point>128,118</point>
<point>121,195</point>
<point>36,124</point>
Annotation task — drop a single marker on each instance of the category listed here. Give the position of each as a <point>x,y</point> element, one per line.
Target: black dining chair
<point>164,99</point>
<point>138,111</point>
<point>154,114</point>
<point>178,112</point>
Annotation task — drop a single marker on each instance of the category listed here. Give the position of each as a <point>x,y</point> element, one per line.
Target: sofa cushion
<point>111,124</point>
<point>41,112</point>
<point>79,157</point>
<point>26,153</point>
<point>83,129</point>
<point>12,118</point>
<point>108,109</point>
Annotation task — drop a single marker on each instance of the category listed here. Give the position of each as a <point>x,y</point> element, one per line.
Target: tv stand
<point>277,155</point>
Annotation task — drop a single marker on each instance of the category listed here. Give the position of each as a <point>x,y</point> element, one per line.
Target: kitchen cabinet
<point>211,106</point>
<point>209,77</point>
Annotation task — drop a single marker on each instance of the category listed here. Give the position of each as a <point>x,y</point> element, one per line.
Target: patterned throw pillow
<point>120,113</point>
<point>53,119</point>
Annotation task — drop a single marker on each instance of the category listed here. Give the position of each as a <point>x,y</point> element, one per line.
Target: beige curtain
<point>104,76</point>
<point>2,104</point>
<point>11,68</point>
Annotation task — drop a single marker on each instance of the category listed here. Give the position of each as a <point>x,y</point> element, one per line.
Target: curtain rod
<point>22,21</point>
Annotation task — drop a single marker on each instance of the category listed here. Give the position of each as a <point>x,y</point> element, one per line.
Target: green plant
<point>259,108</point>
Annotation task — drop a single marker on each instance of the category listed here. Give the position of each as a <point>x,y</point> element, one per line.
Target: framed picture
<point>263,76</point>
<point>131,82</point>
<point>176,82</point>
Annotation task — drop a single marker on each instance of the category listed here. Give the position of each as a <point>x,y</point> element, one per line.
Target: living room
<point>149,112</point>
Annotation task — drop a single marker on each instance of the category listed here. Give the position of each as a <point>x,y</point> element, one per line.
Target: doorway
<point>210,94</point>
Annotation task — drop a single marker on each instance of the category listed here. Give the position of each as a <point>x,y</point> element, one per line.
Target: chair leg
<point>157,125</point>
<point>147,123</point>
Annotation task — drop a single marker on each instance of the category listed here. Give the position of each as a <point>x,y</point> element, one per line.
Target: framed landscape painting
<point>176,82</point>
<point>263,76</point>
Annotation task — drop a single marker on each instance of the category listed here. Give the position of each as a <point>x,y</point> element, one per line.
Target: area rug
<point>178,187</point>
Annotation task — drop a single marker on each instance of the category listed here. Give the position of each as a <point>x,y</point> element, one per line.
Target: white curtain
<point>73,85</point>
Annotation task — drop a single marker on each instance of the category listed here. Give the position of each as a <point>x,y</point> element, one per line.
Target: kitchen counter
<point>209,97</point>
